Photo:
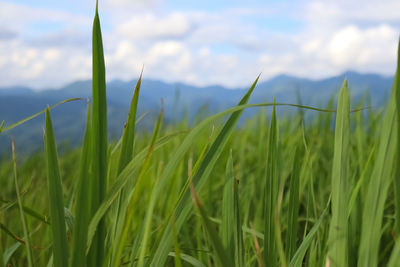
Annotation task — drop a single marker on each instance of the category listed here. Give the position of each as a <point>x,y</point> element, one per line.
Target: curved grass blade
<point>21,211</point>
<point>59,236</point>
<point>297,260</point>
<point>5,129</point>
<point>199,178</point>
<point>338,249</point>
<point>189,259</point>
<point>224,259</point>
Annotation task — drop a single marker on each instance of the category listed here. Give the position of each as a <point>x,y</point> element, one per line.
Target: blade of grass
<point>228,210</point>
<point>222,256</point>
<point>7,128</point>
<point>59,236</point>
<point>99,138</point>
<point>120,240</point>
<point>396,86</point>
<point>338,250</point>
<point>126,153</point>
<point>22,214</point>
<point>297,259</point>
<point>271,192</point>
<point>294,204</point>
<point>379,183</point>
<point>189,259</point>
<point>82,219</point>
<point>199,178</point>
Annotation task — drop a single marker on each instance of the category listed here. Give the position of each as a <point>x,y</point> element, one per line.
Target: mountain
<point>179,99</point>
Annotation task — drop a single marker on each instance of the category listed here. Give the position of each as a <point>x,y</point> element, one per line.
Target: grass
<point>276,191</point>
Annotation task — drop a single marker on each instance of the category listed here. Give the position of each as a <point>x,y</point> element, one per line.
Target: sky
<point>47,43</point>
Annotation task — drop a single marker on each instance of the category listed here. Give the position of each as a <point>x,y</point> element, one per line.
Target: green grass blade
<point>82,212</point>
<point>131,170</point>
<point>21,211</point>
<point>396,86</point>
<point>130,211</point>
<point>231,227</point>
<point>199,178</point>
<point>378,186</point>
<point>7,254</point>
<point>270,253</point>
<point>294,204</point>
<point>228,210</point>
<point>338,249</point>
<point>7,128</point>
<point>189,259</point>
<point>99,138</point>
<point>297,259</point>
<point>126,153</point>
<point>394,260</point>
<point>129,131</point>
<point>222,256</point>
<point>59,236</point>
<point>238,233</point>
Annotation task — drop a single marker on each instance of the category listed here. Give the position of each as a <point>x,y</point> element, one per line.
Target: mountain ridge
<point>180,99</point>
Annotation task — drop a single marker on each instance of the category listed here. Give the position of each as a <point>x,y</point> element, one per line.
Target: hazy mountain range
<point>180,99</point>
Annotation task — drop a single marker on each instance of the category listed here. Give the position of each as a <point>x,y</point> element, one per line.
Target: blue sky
<point>46,44</point>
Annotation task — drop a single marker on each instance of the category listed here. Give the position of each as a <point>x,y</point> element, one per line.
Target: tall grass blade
<point>21,211</point>
<point>271,193</point>
<point>396,87</point>
<point>222,256</point>
<point>82,212</point>
<point>99,138</point>
<point>338,249</point>
<point>121,239</point>
<point>294,204</point>
<point>228,210</point>
<point>59,236</point>
<point>379,183</point>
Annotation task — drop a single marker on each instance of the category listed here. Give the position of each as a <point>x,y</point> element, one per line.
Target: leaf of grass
<point>271,193</point>
<point>396,86</point>
<point>199,178</point>
<point>21,211</point>
<point>5,129</point>
<point>379,183</point>
<point>82,217</point>
<point>338,251</point>
<point>99,139</point>
<point>120,240</point>
<point>224,259</point>
<point>297,259</point>
<point>228,210</point>
<point>59,237</point>
<point>294,204</point>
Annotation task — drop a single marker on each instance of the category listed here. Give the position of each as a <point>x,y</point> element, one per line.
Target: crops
<point>272,192</point>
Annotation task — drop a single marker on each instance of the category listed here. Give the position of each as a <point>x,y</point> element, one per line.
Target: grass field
<point>272,192</point>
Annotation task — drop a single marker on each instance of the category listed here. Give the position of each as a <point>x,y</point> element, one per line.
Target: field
<point>287,191</point>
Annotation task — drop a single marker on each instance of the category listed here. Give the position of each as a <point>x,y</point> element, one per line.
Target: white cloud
<point>150,26</point>
<point>228,47</point>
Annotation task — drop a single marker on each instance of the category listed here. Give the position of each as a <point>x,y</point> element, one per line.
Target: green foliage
<point>131,203</point>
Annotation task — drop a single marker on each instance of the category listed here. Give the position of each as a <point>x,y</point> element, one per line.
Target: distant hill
<point>180,99</point>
